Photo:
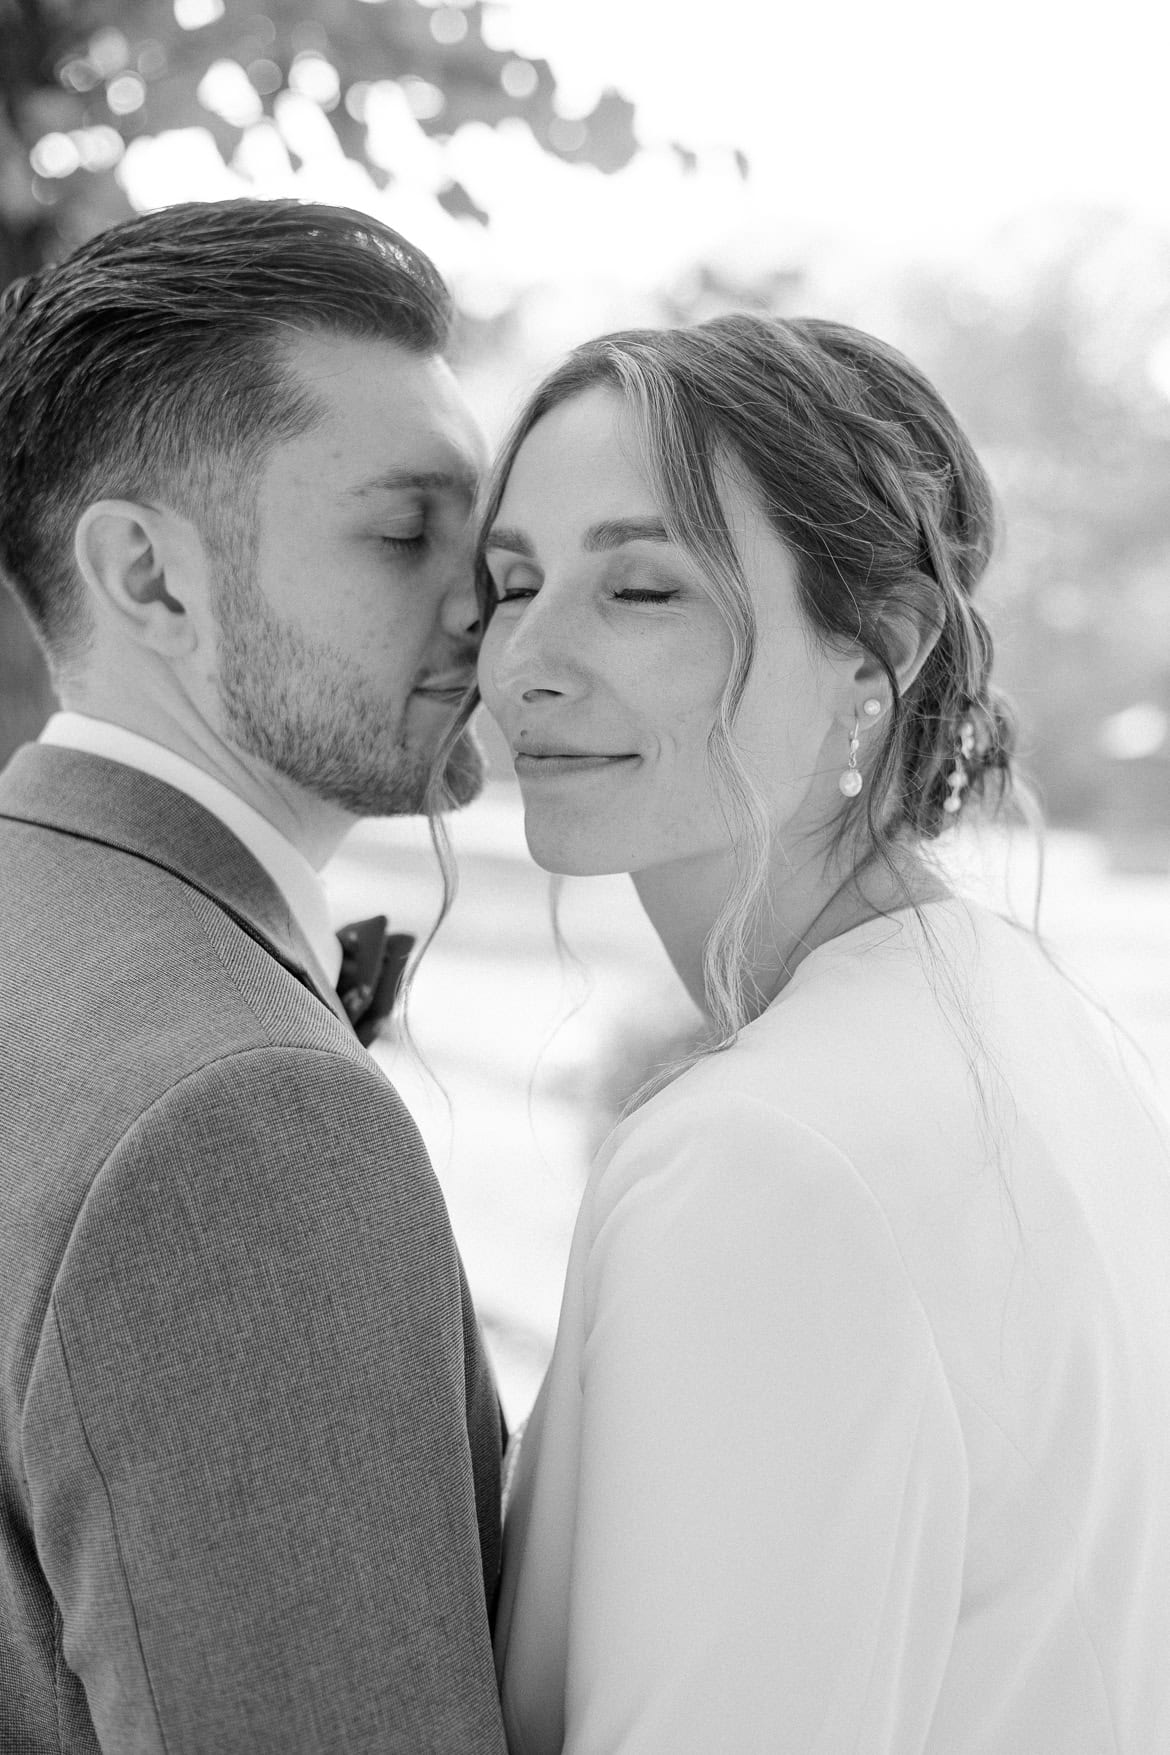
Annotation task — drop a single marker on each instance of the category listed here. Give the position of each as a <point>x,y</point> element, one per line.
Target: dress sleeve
<point>245,1437</point>
<point>773,1491</point>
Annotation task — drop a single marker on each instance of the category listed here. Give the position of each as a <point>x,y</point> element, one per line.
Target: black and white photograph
<point>584,878</point>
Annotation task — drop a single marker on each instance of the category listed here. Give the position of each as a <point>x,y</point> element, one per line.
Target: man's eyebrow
<point>610,533</point>
<point>463,481</point>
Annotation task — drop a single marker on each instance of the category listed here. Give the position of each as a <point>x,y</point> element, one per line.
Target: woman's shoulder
<point>869,1022</point>
<point>712,1159</point>
<point>928,1055</point>
<point>909,1009</point>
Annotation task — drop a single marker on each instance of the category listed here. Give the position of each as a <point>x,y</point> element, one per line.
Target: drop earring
<point>958,778</point>
<point>851,782</point>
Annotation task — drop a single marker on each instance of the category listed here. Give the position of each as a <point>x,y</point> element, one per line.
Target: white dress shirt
<point>856,1437</point>
<point>290,871</point>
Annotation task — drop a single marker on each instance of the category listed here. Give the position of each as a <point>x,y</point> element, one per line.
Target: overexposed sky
<point>911,118</point>
<point>880,133</point>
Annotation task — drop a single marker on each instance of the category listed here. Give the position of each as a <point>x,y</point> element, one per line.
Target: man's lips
<point>450,687</point>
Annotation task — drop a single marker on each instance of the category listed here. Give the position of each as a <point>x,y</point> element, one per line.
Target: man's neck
<point>314,827</point>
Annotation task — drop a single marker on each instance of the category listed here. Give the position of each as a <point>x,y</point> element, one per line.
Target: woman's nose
<point>538,652</point>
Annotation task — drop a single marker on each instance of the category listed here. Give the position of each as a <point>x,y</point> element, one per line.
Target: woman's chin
<point>565,856</point>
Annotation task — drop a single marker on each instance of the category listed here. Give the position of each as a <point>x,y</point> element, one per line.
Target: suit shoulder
<point>145,1034</point>
<point>282,1164</point>
<point>105,953</point>
<point>293,1094</point>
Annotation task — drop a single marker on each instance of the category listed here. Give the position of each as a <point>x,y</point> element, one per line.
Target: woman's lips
<point>554,766</point>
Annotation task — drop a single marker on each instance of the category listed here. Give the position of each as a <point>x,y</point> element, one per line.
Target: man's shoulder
<point>146,1032</point>
<point>121,982</point>
<point>97,940</point>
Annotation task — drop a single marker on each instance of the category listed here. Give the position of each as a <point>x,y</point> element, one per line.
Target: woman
<point>856,1436</point>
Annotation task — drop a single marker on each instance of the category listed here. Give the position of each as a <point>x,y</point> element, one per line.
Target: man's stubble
<point>301,709</point>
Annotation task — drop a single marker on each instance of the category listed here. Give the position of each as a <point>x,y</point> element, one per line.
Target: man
<point>249,1439</point>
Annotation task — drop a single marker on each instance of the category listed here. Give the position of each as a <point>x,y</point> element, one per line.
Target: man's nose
<point>459,614</point>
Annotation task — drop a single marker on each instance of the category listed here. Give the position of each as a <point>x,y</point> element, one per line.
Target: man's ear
<point>132,558</point>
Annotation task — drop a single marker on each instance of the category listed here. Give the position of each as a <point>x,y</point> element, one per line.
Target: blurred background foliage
<point>554,219</point>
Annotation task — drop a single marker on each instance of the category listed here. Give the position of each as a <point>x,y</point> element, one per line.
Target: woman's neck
<point>808,902</point>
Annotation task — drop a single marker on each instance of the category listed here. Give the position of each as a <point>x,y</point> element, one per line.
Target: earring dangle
<point>851,782</point>
<point>958,779</point>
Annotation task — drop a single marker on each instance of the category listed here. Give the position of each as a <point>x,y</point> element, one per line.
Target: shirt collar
<point>290,871</point>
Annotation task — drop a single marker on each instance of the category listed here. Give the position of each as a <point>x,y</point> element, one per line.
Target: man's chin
<point>418,790</point>
<point>400,783</point>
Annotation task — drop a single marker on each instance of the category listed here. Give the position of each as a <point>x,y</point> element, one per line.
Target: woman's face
<point>606,657</point>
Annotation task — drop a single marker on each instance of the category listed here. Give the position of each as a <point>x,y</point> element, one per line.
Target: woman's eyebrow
<point>615,532</point>
<point>609,534</point>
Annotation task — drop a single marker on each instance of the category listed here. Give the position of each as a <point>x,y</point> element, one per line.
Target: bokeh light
<point>55,155</point>
<point>226,90</point>
<point>312,76</point>
<point>125,94</point>
<point>197,14</point>
<point>519,78</point>
<point>448,25</point>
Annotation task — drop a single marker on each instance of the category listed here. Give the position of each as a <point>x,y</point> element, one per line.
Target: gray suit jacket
<point>249,1439</point>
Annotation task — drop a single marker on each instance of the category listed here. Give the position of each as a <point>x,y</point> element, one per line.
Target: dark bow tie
<point>373,962</point>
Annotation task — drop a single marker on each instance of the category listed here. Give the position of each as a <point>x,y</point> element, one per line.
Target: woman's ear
<point>912,627</point>
<point>131,559</point>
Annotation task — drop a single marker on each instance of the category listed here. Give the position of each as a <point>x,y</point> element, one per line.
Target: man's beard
<point>303,711</point>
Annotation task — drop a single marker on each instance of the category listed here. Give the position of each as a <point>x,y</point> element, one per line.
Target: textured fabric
<point>249,1439</point>
<point>299,884</point>
<point>856,1437</point>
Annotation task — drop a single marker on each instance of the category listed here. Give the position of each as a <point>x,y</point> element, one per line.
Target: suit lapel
<point>95,799</point>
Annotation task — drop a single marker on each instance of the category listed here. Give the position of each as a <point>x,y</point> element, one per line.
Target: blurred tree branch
<point>81,79</point>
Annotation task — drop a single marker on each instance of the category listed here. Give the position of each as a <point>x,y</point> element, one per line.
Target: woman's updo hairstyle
<point>920,538</point>
<point>863,471</point>
<point>865,475</point>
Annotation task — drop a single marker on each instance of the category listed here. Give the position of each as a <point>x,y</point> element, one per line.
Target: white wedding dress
<point>856,1437</point>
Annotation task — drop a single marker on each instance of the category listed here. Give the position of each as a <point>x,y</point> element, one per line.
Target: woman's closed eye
<point>627,595</point>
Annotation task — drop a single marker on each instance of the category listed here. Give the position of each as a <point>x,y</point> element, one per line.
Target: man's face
<point>360,592</point>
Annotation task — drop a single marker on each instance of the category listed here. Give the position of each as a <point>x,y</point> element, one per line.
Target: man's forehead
<point>404,411</point>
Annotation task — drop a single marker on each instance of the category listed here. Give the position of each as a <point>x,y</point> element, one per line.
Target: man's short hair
<point>151,364</point>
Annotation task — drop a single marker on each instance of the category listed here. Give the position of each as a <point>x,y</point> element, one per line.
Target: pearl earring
<point>872,707</point>
<point>958,778</point>
<point>851,781</point>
